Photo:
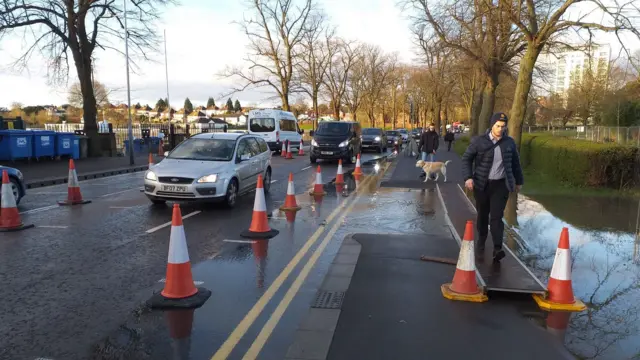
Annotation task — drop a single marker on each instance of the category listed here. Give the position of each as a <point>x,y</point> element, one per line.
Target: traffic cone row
<point>259,228</point>
<point>560,289</point>
<point>300,151</point>
<point>283,153</point>
<point>9,214</point>
<point>289,152</point>
<point>179,290</point>
<point>340,174</point>
<point>290,203</point>
<point>318,188</point>
<point>74,196</point>
<point>358,170</point>
<point>464,286</point>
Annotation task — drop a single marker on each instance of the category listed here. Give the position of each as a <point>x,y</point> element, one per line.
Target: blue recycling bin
<point>64,144</point>
<point>76,148</point>
<point>139,146</point>
<point>16,144</point>
<point>154,144</point>
<point>44,143</point>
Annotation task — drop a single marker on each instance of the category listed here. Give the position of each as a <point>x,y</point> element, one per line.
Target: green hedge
<point>577,162</point>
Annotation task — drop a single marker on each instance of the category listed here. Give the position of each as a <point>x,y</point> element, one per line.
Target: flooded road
<point>606,273</point>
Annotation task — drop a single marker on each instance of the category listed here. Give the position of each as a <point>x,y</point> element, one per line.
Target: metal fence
<point>603,134</point>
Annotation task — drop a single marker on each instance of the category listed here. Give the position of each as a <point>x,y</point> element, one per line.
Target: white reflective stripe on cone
<point>562,265</point>
<point>178,253</point>
<point>73,178</point>
<point>466,261</point>
<point>340,169</point>
<point>318,178</point>
<point>290,189</point>
<point>259,203</point>
<point>8,200</point>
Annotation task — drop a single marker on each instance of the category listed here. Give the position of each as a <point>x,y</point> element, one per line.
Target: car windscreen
<point>393,133</point>
<point>332,129</point>
<point>371,132</point>
<point>262,125</point>
<point>204,150</point>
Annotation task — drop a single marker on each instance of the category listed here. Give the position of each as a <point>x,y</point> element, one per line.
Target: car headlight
<point>150,175</point>
<point>377,138</point>
<point>313,142</point>
<point>396,141</point>
<point>344,143</point>
<point>208,179</point>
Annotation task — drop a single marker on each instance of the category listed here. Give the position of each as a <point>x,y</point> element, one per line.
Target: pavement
<point>330,285</point>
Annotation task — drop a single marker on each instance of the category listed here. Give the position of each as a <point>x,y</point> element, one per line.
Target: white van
<point>275,127</point>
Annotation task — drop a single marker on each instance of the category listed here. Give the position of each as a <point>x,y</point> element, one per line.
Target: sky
<point>201,41</point>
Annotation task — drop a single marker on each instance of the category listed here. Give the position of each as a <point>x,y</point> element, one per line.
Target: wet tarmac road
<point>79,275</point>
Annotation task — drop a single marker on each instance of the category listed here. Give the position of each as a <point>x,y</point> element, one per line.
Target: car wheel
<point>158,202</point>
<point>231,196</point>
<point>266,183</point>
<point>312,160</point>
<point>15,189</point>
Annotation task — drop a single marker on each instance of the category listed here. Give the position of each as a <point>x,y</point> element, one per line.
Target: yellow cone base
<point>284,208</point>
<point>545,304</point>
<point>452,295</point>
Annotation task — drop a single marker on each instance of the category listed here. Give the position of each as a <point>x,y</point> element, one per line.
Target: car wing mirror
<point>245,157</point>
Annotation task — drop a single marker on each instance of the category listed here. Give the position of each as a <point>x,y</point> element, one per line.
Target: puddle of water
<point>605,271</point>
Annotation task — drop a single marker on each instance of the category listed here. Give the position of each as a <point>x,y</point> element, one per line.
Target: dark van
<point>335,140</point>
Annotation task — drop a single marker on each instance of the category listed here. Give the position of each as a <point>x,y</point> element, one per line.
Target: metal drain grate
<point>328,300</point>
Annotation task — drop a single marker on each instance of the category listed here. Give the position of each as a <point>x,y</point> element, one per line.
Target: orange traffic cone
<point>464,286</point>
<point>358,170</point>
<point>560,290</point>
<point>9,214</point>
<point>259,228</point>
<point>340,174</point>
<point>300,151</point>
<point>179,290</point>
<point>318,189</point>
<point>557,324</point>
<point>290,203</point>
<point>180,323</point>
<point>283,153</point>
<point>289,152</point>
<point>74,196</point>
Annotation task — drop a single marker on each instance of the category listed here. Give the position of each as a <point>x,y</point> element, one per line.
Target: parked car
<point>275,127</point>
<point>211,167</point>
<point>394,138</point>
<point>374,138</point>
<point>404,133</point>
<point>335,140</point>
<point>16,182</point>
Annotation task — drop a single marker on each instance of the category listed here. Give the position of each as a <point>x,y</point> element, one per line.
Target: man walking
<point>497,173</point>
<point>449,137</point>
<point>429,141</point>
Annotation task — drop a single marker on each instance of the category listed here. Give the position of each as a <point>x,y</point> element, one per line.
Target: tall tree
<point>211,103</point>
<point>161,105</point>
<point>275,30</point>
<point>355,90</point>
<point>188,106</point>
<point>236,106</point>
<point>229,106</point>
<point>78,28</point>
<point>378,68</point>
<point>342,55</point>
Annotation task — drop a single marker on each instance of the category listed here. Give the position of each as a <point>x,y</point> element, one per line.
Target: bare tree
<point>101,94</point>
<point>355,91</point>
<point>342,56</point>
<point>276,29</point>
<point>378,69</point>
<point>542,23</point>
<point>314,60</point>
<point>60,28</point>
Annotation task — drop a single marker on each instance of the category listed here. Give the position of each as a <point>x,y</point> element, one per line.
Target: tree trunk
<point>336,109</point>
<point>488,103</point>
<point>523,86</point>
<point>89,106</point>
<point>476,108</point>
<point>314,99</point>
<point>436,116</point>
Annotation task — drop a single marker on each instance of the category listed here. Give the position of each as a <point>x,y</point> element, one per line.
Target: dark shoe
<point>498,254</point>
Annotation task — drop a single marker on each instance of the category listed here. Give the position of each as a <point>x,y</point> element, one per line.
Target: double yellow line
<point>241,329</point>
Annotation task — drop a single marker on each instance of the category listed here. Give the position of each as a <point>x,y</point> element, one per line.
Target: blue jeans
<point>425,155</point>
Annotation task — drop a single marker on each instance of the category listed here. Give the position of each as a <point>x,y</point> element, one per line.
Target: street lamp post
<point>126,52</point>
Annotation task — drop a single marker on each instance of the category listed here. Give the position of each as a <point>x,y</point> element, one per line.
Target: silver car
<point>210,167</point>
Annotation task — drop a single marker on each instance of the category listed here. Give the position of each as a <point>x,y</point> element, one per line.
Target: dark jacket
<point>478,152</point>
<point>429,141</point>
<point>449,136</point>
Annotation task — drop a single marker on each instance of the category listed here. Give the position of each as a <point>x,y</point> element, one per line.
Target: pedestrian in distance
<point>429,141</point>
<point>491,169</point>
<point>449,137</point>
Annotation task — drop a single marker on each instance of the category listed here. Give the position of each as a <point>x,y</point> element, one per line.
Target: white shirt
<point>497,168</point>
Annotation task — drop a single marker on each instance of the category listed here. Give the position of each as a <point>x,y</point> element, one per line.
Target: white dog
<point>433,168</point>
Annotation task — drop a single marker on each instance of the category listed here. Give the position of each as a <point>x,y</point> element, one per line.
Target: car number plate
<point>326,152</point>
<point>174,188</point>
<point>363,145</point>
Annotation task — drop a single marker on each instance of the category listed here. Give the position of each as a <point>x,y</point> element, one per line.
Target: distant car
<point>394,138</point>
<point>16,182</point>
<point>404,133</point>
<point>415,133</point>
<point>335,140</point>
<point>210,167</point>
<point>374,138</point>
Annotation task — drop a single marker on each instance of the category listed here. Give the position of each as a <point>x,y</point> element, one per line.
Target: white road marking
<point>53,226</point>
<point>119,192</point>
<point>303,169</point>
<point>169,223</point>
<point>272,181</point>
<point>120,207</point>
<point>195,282</point>
<point>239,241</point>
<point>37,210</point>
